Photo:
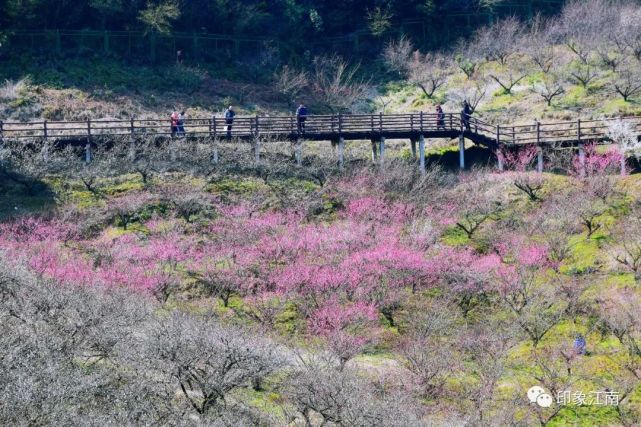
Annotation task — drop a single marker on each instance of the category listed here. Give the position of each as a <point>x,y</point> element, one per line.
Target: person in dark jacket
<point>466,113</point>
<point>181,124</point>
<point>229,119</point>
<point>301,116</point>
<point>440,117</point>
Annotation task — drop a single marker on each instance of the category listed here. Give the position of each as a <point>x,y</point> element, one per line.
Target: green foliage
<point>159,17</point>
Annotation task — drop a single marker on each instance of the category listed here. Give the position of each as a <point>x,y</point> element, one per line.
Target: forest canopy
<point>282,19</point>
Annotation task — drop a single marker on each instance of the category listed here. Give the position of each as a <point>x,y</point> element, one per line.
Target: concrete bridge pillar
<point>421,154</point>
<point>257,151</point>
<point>539,159</point>
<point>341,153</point>
<point>581,160</point>
<point>214,154</point>
<point>413,146</point>
<point>298,153</point>
<point>87,153</point>
<point>374,152</point>
<point>381,150</point>
<point>461,149</point>
<point>499,158</point>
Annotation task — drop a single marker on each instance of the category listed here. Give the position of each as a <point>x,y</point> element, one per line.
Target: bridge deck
<point>327,127</point>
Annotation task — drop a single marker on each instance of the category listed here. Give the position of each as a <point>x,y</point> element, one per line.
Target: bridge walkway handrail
<point>334,126</point>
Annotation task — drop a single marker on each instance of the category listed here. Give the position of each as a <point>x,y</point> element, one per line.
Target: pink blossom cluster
<point>341,275</point>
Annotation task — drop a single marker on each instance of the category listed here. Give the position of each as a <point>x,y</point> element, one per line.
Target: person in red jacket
<point>174,123</point>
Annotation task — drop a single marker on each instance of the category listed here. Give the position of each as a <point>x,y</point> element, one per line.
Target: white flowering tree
<point>623,134</point>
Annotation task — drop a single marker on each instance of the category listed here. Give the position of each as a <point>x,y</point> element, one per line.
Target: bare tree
<point>626,247</point>
<point>583,73</point>
<point>340,398</point>
<point>539,44</point>
<point>336,83</point>
<point>549,88</point>
<point>627,82</point>
<point>202,360</point>
<point>429,72</point>
<point>485,346</point>
<point>582,26</point>
<point>473,91</point>
<point>510,76</point>
<point>290,83</point>
<point>427,348</point>
<point>498,42</point>
<point>397,54</point>
<point>468,59</point>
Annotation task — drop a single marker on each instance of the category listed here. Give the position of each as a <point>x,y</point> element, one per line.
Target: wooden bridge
<point>337,128</point>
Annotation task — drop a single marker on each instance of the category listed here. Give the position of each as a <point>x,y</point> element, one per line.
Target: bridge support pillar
<point>413,146</point>
<point>374,152</point>
<point>623,168</point>
<point>257,151</point>
<point>87,153</point>
<point>499,158</point>
<point>381,150</point>
<point>421,154</point>
<point>539,159</point>
<point>299,152</point>
<point>461,150</point>
<point>581,160</point>
<point>341,153</point>
<point>214,154</point>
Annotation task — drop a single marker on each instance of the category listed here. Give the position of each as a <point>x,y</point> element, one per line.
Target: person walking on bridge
<point>440,117</point>
<point>466,113</point>
<point>181,124</point>
<point>301,116</point>
<point>229,120</point>
<point>174,123</point>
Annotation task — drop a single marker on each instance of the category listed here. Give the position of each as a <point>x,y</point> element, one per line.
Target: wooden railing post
<point>1,130</point>
<point>340,123</point>
<point>421,123</point>
<point>132,126</point>
<point>412,125</point>
<point>256,124</point>
<point>538,134</point>
<point>380,122</point>
<point>89,128</point>
<point>451,121</point>
<point>578,130</point>
<point>498,134</point>
<point>44,129</point>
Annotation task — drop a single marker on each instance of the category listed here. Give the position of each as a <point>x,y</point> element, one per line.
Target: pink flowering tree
<point>595,163</point>
<point>347,329</point>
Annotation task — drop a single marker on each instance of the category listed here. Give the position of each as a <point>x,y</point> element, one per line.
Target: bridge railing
<point>287,126</point>
<point>564,131</point>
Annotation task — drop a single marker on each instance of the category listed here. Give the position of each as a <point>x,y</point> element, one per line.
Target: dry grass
<point>12,90</point>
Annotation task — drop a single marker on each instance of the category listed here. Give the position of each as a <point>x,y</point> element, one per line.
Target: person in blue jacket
<point>229,119</point>
<point>579,344</point>
<point>301,116</point>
